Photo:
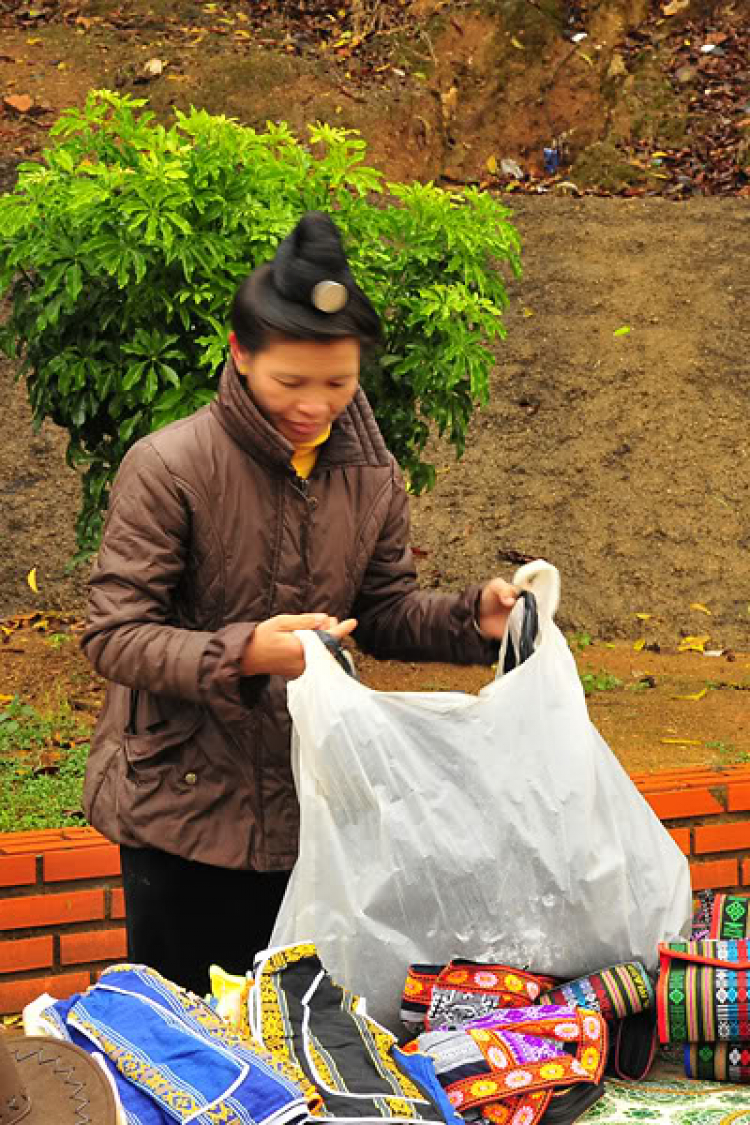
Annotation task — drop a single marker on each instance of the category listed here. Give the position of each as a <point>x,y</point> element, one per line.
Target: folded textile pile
<point>509,1064</point>
<point>703,997</point>
<point>323,1034</point>
<point>462,990</point>
<point>172,1058</point>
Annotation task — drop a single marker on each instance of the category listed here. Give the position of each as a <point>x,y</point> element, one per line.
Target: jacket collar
<point>355,437</point>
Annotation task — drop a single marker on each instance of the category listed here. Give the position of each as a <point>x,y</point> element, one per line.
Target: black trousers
<point>183,916</point>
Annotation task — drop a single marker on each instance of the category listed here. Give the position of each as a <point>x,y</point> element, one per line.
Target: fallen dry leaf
<point>153,68</point>
<point>31,579</point>
<point>693,644</point>
<point>21,103</point>
<point>701,608</point>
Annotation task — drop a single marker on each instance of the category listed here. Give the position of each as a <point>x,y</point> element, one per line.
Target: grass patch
<point>599,681</point>
<point>42,762</point>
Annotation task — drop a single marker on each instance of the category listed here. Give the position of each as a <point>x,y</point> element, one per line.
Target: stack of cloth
<point>514,1046</point>
<point>703,996</point>
<point>170,1056</point>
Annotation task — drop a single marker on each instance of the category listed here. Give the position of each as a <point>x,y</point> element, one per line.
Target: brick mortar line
<point>64,886</point>
<point>63,928</point>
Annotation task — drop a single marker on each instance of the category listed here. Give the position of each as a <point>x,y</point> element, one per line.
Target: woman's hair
<point>288,296</point>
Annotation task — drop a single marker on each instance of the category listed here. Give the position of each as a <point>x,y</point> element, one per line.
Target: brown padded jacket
<point>209,532</point>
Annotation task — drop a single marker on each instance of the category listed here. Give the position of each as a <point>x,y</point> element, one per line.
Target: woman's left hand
<point>497,600</point>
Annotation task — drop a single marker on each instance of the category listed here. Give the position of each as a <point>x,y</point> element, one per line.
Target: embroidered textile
<point>301,1016</point>
<point>508,1063</point>
<point>719,1062</point>
<point>615,992</point>
<point>624,995</point>
<point>464,990</point>
<point>721,916</point>
<point>174,1059</point>
<point>703,991</point>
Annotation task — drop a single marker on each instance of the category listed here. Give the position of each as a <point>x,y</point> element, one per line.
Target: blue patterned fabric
<point>173,1058</point>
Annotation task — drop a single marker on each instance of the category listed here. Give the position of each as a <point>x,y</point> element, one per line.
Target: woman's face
<point>300,386</point>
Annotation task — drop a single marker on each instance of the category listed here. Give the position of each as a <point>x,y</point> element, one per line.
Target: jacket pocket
<point>166,751</point>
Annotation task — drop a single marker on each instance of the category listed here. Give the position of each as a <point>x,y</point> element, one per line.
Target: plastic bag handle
<point>527,636</point>
<point>337,651</point>
<point>543,579</point>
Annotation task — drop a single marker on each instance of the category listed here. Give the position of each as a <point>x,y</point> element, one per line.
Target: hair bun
<point>312,253</point>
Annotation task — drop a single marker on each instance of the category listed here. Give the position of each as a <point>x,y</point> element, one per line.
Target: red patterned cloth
<point>435,995</point>
<point>510,1063</point>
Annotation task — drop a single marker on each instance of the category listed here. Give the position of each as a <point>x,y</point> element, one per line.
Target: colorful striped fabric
<point>718,1062</point>
<point>617,992</point>
<point>703,991</point>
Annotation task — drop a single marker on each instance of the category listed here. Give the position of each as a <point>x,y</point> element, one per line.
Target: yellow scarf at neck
<point>306,455</point>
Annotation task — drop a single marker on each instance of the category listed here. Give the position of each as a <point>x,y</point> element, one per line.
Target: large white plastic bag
<point>499,827</point>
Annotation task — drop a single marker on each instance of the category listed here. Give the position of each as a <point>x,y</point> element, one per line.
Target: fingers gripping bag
<point>497,827</point>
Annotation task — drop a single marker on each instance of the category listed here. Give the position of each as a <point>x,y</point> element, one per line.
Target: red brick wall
<point>708,813</point>
<point>61,905</point>
<point>61,913</point>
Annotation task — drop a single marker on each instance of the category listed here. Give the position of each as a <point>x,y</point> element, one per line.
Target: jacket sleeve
<point>397,620</point>
<point>129,636</point>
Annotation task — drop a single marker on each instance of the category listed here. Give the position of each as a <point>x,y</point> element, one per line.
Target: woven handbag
<point>718,1062</point>
<point>703,991</point>
<point>721,915</point>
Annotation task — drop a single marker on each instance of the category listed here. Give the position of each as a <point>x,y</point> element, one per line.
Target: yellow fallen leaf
<point>655,154</point>
<point>639,644</point>
<point>644,616</point>
<point>240,33</point>
<point>693,644</point>
<point>31,579</point>
<point>681,741</point>
<point>700,607</point>
<point>6,698</point>
<point>517,44</point>
<point>491,164</point>
<point>695,697</point>
<point>587,58</point>
<point>33,42</point>
<point>530,312</point>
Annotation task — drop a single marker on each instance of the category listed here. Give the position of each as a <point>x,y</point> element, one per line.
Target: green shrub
<point>122,250</point>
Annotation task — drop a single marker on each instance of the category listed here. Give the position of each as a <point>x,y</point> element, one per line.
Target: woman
<point>276,508</point>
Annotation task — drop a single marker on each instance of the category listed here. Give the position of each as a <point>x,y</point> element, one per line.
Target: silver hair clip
<point>329,296</point>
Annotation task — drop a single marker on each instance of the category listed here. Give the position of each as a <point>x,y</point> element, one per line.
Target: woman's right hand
<point>274,650</point>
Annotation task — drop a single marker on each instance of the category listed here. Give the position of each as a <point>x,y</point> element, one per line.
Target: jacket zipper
<point>302,486</point>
